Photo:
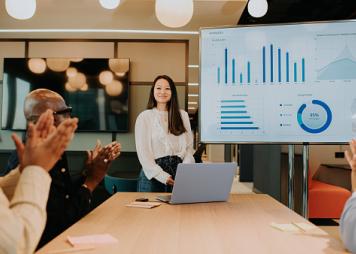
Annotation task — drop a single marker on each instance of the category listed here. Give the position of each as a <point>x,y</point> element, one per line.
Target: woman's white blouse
<point>153,141</point>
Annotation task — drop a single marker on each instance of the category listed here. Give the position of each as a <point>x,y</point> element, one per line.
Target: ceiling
<point>131,14</point>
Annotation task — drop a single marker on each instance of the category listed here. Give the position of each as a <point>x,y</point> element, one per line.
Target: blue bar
<point>232,100</point>
<point>287,67</point>
<point>303,70</point>
<point>218,75</point>
<point>241,78</point>
<point>295,72</point>
<point>233,70</point>
<point>236,122</point>
<point>233,112</point>
<point>225,65</point>
<point>264,63</point>
<point>279,66</point>
<point>235,117</point>
<point>248,72</point>
<point>235,106</point>
<point>239,128</point>
<point>271,52</point>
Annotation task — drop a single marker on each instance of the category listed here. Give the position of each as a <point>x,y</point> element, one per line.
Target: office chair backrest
<point>117,184</point>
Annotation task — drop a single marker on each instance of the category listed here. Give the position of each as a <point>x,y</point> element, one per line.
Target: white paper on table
<point>289,227</point>
<point>91,239</point>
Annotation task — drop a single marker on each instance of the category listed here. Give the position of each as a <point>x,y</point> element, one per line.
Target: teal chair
<point>116,184</point>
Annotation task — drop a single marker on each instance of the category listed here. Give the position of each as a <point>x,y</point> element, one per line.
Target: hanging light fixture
<point>257,8</point>
<point>109,4</point>
<point>84,88</point>
<point>106,77</point>
<point>71,72</point>
<point>20,9</point>
<point>119,65</point>
<point>69,88</point>
<point>174,13</point>
<point>114,88</point>
<point>77,81</point>
<point>76,60</point>
<point>37,65</point>
<point>58,64</point>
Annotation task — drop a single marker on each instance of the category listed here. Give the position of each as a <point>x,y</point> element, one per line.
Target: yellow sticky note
<point>304,226</point>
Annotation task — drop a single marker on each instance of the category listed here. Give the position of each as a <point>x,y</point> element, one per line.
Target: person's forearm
<point>353,180</point>
<point>26,214</point>
<point>90,184</point>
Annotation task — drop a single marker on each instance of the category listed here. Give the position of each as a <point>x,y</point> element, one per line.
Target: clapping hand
<point>45,143</point>
<point>107,154</point>
<point>114,150</point>
<point>351,157</point>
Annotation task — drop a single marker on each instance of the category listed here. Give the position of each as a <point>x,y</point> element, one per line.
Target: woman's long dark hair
<point>175,122</point>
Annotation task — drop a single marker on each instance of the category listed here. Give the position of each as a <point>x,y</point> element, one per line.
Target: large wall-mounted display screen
<point>279,83</point>
<point>96,89</point>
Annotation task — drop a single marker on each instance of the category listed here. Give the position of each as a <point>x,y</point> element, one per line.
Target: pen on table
<point>68,250</point>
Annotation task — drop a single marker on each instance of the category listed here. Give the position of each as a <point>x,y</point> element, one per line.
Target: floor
<point>239,188</point>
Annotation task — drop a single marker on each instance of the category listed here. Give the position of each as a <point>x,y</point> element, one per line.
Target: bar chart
<point>238,115</point>
<point>282,69</point>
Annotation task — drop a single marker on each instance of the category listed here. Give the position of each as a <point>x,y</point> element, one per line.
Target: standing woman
<point>163,137</point>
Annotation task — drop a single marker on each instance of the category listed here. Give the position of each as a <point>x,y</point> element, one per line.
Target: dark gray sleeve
<point>11,164</point>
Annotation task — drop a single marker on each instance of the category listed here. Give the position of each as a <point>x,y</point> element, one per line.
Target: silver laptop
<point>201,182</point>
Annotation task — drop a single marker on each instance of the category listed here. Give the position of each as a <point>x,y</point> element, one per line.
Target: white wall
<point>320,154</point>
<point>215,153</point>
<point>324,154</point>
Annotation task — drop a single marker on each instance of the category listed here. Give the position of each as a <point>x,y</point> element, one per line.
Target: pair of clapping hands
<point>45,143</point>
<point>98,162</point>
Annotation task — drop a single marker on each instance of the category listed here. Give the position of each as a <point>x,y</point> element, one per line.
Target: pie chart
<point>314,117</point>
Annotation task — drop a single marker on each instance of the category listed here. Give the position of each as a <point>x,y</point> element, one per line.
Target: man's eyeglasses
<point>65,111</point>
<point>58,115</point>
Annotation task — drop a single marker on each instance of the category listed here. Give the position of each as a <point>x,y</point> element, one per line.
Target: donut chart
<point>314,117</point>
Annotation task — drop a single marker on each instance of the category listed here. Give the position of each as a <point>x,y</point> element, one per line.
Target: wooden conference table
<point>241,225</point>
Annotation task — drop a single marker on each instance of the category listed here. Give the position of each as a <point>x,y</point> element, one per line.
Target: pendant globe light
<point>20,9</point>
<point>109,4</point>
<point>114,88</point>
<point>257,8</point>
<point>174,13</point>
<point>106,77</point>
<point>37,65</point>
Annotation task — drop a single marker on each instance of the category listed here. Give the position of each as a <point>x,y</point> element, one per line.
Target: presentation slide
<point>278,83</point>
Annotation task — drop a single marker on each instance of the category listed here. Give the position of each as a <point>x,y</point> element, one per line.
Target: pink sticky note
<point>91,239</point>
